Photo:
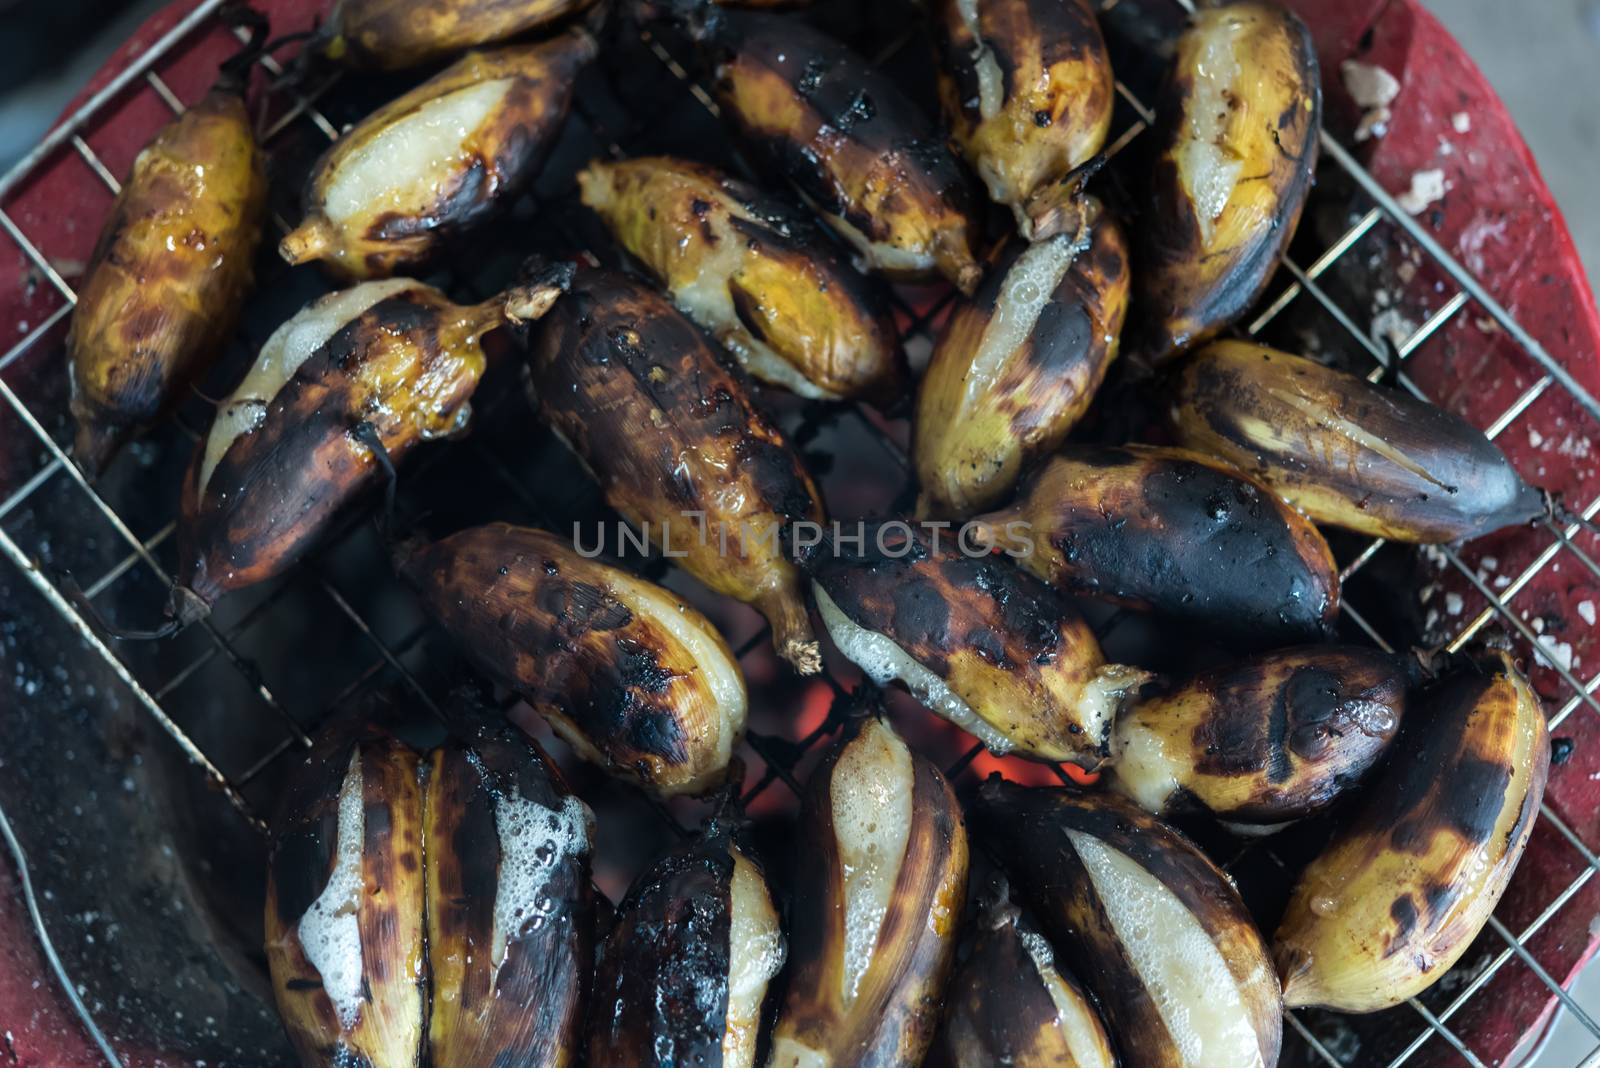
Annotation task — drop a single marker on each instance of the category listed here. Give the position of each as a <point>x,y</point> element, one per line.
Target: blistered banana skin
<point>1028,91</point>
<point>1010,1004</point>
<point>755,273</point>
<point>1175,533</point>
<point>384,198</point>
<point>1344,451</point>
<point>403,367</point>
<point>995,396</point>
<point>498,818</point>
<point>1057,847</point>
<point>399,34</point>
<point>638,682</point>
<point>850,141</point>
<point>677,445</point>
<point>168,276</point>
<point>1264,741</point>
<point>1408,882</point>
<point>345,889</point>
<point>872,1000</point>
<point>1236,144</point>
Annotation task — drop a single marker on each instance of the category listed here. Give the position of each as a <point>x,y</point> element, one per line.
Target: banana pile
<point>437,908</point>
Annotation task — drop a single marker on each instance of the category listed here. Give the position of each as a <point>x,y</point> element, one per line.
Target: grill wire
<point>394,657</point>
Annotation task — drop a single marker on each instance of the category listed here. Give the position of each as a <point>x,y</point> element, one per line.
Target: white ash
<point>1369,86</point>
<point>1586,610</point>
<point>1461,122</point>
<point>1554,653</point>
<point>1426,188</point>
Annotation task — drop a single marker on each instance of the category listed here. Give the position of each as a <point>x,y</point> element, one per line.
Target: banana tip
<point>186,606</point>
<point>532,299</point>
<point>306,242</point>
<point>967,278</point>
<point>94,447</point>
<point>805,656</point>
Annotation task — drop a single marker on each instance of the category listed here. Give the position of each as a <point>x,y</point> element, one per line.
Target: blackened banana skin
<point>409,180</point>
<point>509,904</point>
<point>393,362</point>
<point>677,446</point>
<point>1153,928</point>
<point>397,34</point>
<point>1017,364</point>
<point>979,641</point>
<point>667,975</point>
<point>1011,1004</point>
<point>1175,533</point>
<point>1028,90</point>
<point>756,273</point>
<point>849,140</point>
<point>169,274</point>
<point>878,897</point>
<point>1345,451</point>
<point>631,677</point>
<point>1413,875</point>
<point>1263,741</point>
<point>344,910</point>
<point>1236,144</point>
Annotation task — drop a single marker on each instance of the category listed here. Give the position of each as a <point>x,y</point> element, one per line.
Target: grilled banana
<point>509,905</point>
<point>1153,928</point>
<point>419,172</point>
<point>1236,147</point>
<point>344,914</point>
<point>875,909</point>
<point>169,274</point>
<point>1011,1004</point>
<point>632,678</point>
<point>1017,365</point>
<point>1344,451</point>
<point>1265,741</point>
<point>398,34</point>
<point>849,140</point>
<point>1176,533</point>
<point>1407,884</point>
<point>754,273</point>
<point>681,977</point>
<point>347,386</point>
<point>990,648</point>
<point>677,446</point>
<point>1028,91</point>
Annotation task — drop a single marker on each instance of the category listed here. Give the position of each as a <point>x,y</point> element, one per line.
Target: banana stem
<point>792,636</point>
<point>311,240</point>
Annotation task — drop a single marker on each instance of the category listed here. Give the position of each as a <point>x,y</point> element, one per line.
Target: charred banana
<point>754,273</point>
<point>169,274</point>
<point>452,917</point>
<point>990,648</point>
<point>875,909</point>
<point>1153,928</point>
<point>509,905</point>
<point>398,34</point>
<point>344,915</point>
<point>682,976</point>
<point>677,446</point>
<point>1175,533</point>
<point>1236,148</point>
<point>1265,741</point>
<point>1011,1004</point>
<point>1344,451</point>
<point>1027,88</point>
<point>855,147</point>
<point>419,172</point>
<point>1018,363</point>
<point>337,395</point>
<point>1405,886</point>
<point>632,678</point>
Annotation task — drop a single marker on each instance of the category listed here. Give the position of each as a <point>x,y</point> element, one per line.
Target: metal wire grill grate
<point>393,656</point>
